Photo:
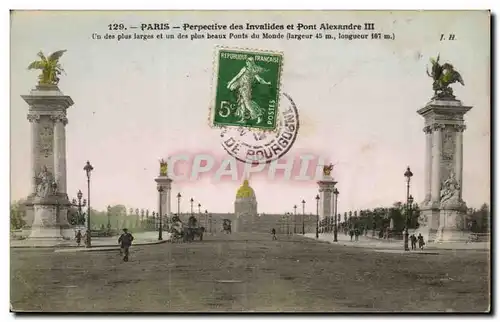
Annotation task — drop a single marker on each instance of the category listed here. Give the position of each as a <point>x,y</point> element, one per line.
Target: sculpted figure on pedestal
<point>450,190</point>
<point>45,181</point>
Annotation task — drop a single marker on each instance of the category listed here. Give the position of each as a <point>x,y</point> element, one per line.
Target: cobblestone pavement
<point>248,272</point>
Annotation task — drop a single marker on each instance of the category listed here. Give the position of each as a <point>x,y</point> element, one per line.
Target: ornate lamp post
<point>80,204</point>
<point>407,219</point>
<point>335,231</point>
<point>295,219</point>
<point>179,204</point>
<point>317,216</point>
<point>160,226</point>
<point>303,215</point>
<point>408,174</point>
<point>206,218</point>
<point>109,218</point>
<point>199,212</point>
<point>88,170</point>
<point>192,200</point>
<point>287,227</point>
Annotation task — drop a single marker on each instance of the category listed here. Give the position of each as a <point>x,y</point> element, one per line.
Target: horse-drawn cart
<point>183,232</point>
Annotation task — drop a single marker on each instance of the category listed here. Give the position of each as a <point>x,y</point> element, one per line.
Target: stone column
<point>49,210</point>
<point>436,162</point>
<point>34,120</point>
<point>167,201</point>
<point>459,156</point>
<point>164,197</point>
<point>326,186</point>
<point>60,122</point>
<point>428,164</point>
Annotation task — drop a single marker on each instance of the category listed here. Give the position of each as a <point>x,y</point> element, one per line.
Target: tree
<point>17,212</point>
<point>484,212</point>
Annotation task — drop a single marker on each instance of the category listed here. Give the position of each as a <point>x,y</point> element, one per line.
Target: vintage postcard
<point>263,161</point>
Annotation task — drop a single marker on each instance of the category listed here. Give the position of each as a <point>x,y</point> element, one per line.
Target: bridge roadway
<point>248,272</point>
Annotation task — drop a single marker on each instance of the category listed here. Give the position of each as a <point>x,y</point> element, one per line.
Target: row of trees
<point>135,219</point>
<point>380,218</point>
<point>477,220</point>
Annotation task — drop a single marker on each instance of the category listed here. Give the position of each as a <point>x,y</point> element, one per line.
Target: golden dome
<point>245,191</point>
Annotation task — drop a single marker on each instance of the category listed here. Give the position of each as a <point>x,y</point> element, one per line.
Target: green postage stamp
<point>247,88</point>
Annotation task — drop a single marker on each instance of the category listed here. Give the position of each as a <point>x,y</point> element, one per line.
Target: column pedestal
<point>47,114</point>
<point>46,222</point>
<point>164,198</point>
<point>326,202</point>
<point>442,220</point>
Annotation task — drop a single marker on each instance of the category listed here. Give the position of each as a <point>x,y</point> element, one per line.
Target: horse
<point>189,233</point>
<point>226,226</point>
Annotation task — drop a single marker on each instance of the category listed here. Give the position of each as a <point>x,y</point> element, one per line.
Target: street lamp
<point>295,219</point>
<point>79,206</point>
<point>409,200</point>
<point>407,219</point>
<point>303,215</point>
<point>179,204</point>
<point>192,200</point>
<point>206,218</point>
<point>335,231</point>
<point>408,174</point>
<point>88,169</point>
<point>287,224</point>
<point>160,226</point>
<point>109,222</point>
<point>317,216</point>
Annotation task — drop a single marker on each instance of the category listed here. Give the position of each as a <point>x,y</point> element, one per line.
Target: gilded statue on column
<point>163,168</point>
<point>327,169</point>
<point>50,67</point>
<point>443,76</point>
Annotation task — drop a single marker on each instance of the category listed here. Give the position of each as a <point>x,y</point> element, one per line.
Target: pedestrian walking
<point>78,238</point>
<point>125,242</point>
<point>413,240</point>
<point>421,242</point>
<point>356,234</point>
<point>273,232</point>
<point>351,233</point>
<point>86,237</point>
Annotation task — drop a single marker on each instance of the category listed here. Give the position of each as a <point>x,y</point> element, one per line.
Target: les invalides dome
<point>246,202</point>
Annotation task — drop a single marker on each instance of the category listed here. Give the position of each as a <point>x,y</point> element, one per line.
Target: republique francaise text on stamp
<point>247,88</point>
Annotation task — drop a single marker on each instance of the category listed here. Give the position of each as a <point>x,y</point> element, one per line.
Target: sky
<point>137,101</point>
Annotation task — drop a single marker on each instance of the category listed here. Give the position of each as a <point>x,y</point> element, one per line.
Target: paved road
<point>248,272</point>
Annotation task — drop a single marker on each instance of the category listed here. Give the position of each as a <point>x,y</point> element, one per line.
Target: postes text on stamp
<point>247,88</point>
<point>260,147</point>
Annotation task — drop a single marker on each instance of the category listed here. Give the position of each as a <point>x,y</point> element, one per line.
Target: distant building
<point>247,219</point>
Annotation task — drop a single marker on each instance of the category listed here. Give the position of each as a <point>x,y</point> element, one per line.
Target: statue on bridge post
<point>443,76</point>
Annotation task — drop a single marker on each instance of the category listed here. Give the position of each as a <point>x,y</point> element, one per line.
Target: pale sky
<point>137,101</point>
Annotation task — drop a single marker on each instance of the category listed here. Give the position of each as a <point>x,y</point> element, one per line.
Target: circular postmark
<point>256,146</point>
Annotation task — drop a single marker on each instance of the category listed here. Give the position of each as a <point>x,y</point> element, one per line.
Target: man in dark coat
<point>413,242</point>
<point>125,242</point>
